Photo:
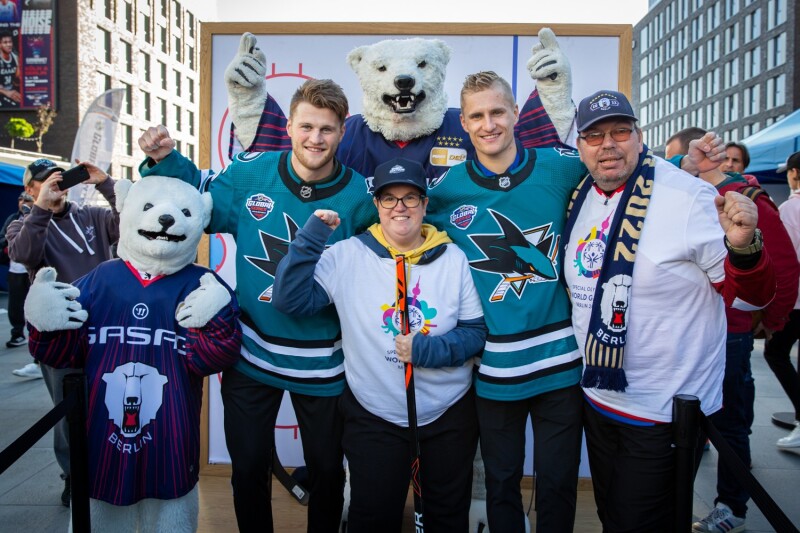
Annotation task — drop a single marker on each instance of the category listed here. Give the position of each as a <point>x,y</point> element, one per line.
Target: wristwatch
<point>755,246</point>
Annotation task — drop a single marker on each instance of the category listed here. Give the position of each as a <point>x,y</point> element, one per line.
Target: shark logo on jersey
<point>134,392</point>
<point>518,256</point>
<point>275,249</point>
<point>566,152</point>
<point>259,206</point>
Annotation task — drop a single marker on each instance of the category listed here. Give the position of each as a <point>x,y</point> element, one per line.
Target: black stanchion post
<point>78,453</point>
<point>685,427</point>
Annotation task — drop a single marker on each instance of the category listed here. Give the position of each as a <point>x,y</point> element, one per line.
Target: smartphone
<point>72,177</point>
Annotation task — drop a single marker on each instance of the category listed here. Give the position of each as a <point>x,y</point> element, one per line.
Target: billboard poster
<point>27,54</point>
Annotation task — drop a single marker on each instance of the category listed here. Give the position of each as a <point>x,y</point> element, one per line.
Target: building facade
<point>149,48</point>
<point>730,66</point>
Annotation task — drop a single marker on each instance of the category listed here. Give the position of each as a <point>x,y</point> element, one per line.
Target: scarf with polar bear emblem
<point>607,332</point>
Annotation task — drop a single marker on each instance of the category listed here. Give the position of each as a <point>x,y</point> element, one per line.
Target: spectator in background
<point>737,160</point>
<point>738,388</point>
<point>18,281</point>
<point>778,348</point>
<point>71,238</point>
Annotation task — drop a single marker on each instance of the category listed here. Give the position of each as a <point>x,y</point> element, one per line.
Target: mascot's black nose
<point>166,221</point>
<point>404,83</point>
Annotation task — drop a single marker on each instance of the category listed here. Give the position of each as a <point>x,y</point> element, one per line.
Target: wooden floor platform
<point>217,516</point>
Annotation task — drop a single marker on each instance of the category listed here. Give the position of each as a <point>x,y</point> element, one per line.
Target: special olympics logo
<point>140,311</point>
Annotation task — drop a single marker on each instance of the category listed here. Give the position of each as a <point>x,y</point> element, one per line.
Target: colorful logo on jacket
<point>519,257</point>
<point>259,206</point>
<point>275,248</point>
<point>419,315</point>
<point>134,393</point>
<point>463,216</point>
<point>590,251</point>
<point>615,302</point>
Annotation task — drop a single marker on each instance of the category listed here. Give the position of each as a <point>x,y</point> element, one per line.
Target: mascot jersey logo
<point>518,257</point>
<point>615,302</point>
<point>275,249</point>
<point>134,392</point>
<point>419,315</point>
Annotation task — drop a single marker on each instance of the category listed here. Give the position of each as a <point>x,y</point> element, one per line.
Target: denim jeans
<point>733,420</point>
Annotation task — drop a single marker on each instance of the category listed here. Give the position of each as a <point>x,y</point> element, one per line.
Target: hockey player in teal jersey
<point>261,199</point>
<point>506,211</point>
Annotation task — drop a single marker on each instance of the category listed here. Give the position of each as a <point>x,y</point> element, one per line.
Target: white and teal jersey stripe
<point>260,201</point>
<point>510,227</point>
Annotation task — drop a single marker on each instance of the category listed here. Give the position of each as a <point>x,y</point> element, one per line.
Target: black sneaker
<point>65,496</point>
<point>16,341</point>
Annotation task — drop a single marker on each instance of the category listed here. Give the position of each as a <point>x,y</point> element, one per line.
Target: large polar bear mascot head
<point>403,84</point>
<point>161,221</point>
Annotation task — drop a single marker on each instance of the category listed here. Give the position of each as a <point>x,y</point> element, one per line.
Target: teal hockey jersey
<point>510,226</point>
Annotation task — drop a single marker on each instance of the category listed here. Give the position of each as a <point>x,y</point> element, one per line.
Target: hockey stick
<point>411,400</point>
<point>289,483</point>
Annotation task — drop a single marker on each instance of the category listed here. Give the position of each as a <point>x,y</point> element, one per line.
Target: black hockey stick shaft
<point>411,400</point>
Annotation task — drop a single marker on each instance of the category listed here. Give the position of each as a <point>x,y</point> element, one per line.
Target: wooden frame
<point>622,31</point>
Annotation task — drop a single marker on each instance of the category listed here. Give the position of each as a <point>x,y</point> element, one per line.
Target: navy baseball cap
<point>602,105</point>
<point>399,171</point>
<point>792,162</point>
<point>39,170</point>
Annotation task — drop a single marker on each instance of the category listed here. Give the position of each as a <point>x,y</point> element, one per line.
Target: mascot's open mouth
<point>404,102</point>
<point>161,236</point>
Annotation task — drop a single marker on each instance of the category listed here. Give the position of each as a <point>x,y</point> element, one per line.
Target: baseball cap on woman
<point>39,170</point>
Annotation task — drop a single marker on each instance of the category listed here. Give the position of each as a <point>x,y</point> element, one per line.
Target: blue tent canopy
<point>771,146</point>
<point>11,174</point>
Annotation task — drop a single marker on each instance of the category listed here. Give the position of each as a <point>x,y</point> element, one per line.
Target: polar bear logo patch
<point>134,392</point>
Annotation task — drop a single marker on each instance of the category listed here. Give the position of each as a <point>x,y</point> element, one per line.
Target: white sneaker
<point>31,370</point>
<point>721,520</point>
<point>792,440</point>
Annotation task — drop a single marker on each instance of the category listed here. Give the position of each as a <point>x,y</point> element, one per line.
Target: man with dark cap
<point>71,238</point>
<point>652,257</point>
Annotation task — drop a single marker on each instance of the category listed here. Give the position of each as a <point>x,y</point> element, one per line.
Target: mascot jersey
<point>145,375</point>
<point>362,149</point>
<point>260,201</point>
<point>510,226</point>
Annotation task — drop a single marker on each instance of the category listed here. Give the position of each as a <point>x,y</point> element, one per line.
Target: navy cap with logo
<point>792,162</point>
<point>39,170</point>
<point>399,171</point>
<point>602,105</point>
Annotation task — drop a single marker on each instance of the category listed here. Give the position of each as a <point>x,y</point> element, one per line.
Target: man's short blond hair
<point>325,94</point>
<point>484,80</point>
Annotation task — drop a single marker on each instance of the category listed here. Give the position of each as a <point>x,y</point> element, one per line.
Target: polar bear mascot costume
<point>405,111</point>
<point>146,328</point>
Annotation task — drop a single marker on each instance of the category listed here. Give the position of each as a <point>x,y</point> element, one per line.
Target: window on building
<point>103,45</point>
<point>176,12</point>
<point>164,40</point>
<point>177,83</point>
<point>643,38</point>
<point>190,53</point>
<point>163,105</point>
<point>163,67</point>
<point>731,108</point>
<point>128,98</point>
<point>127,56</point>
<point>179,146</point>
<point>190,24</point>
<point>776,91</point>
<point>127,172</point>
<point>731,7</point>
<point>752,96</point>
<point>178,49</point>
<point>108,10</point>
<point>146,106</point>
<point>776,51</point>
<point>752,62</point>
<point>191,91</point>
<point>752,25</point>
<point>128,139</point>
<point>128,10</point>
<point>731,73</point>
<point>776,13</point>
<point>146,66</point>
<point>190,151</point>
<point>731,38</point>
<point>190,121</point>
<point>163,4</point>
<point>178,122</point>
<point>147,29</point>
<point>103,82</point>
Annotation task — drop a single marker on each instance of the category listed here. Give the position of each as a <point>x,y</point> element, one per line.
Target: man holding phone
<point>71,238</point>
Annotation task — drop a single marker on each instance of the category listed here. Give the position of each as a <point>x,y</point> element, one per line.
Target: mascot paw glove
<point>548,63</point>
<point>203,303</point>
<point>249,65</point>
<point>51,305</point>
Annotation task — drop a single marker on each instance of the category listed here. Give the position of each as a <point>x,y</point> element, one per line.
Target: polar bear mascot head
<point>161,221</point>
<point>403,85</point>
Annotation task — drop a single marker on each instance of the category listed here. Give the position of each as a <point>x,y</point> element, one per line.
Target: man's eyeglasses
<point>388,201</point>
<point>596,138</point>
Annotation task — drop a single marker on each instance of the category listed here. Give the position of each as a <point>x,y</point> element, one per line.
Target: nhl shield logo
<point>463,216</point>
<point>504,182</point>
<point>259,205</point>
<point>305,192</point>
